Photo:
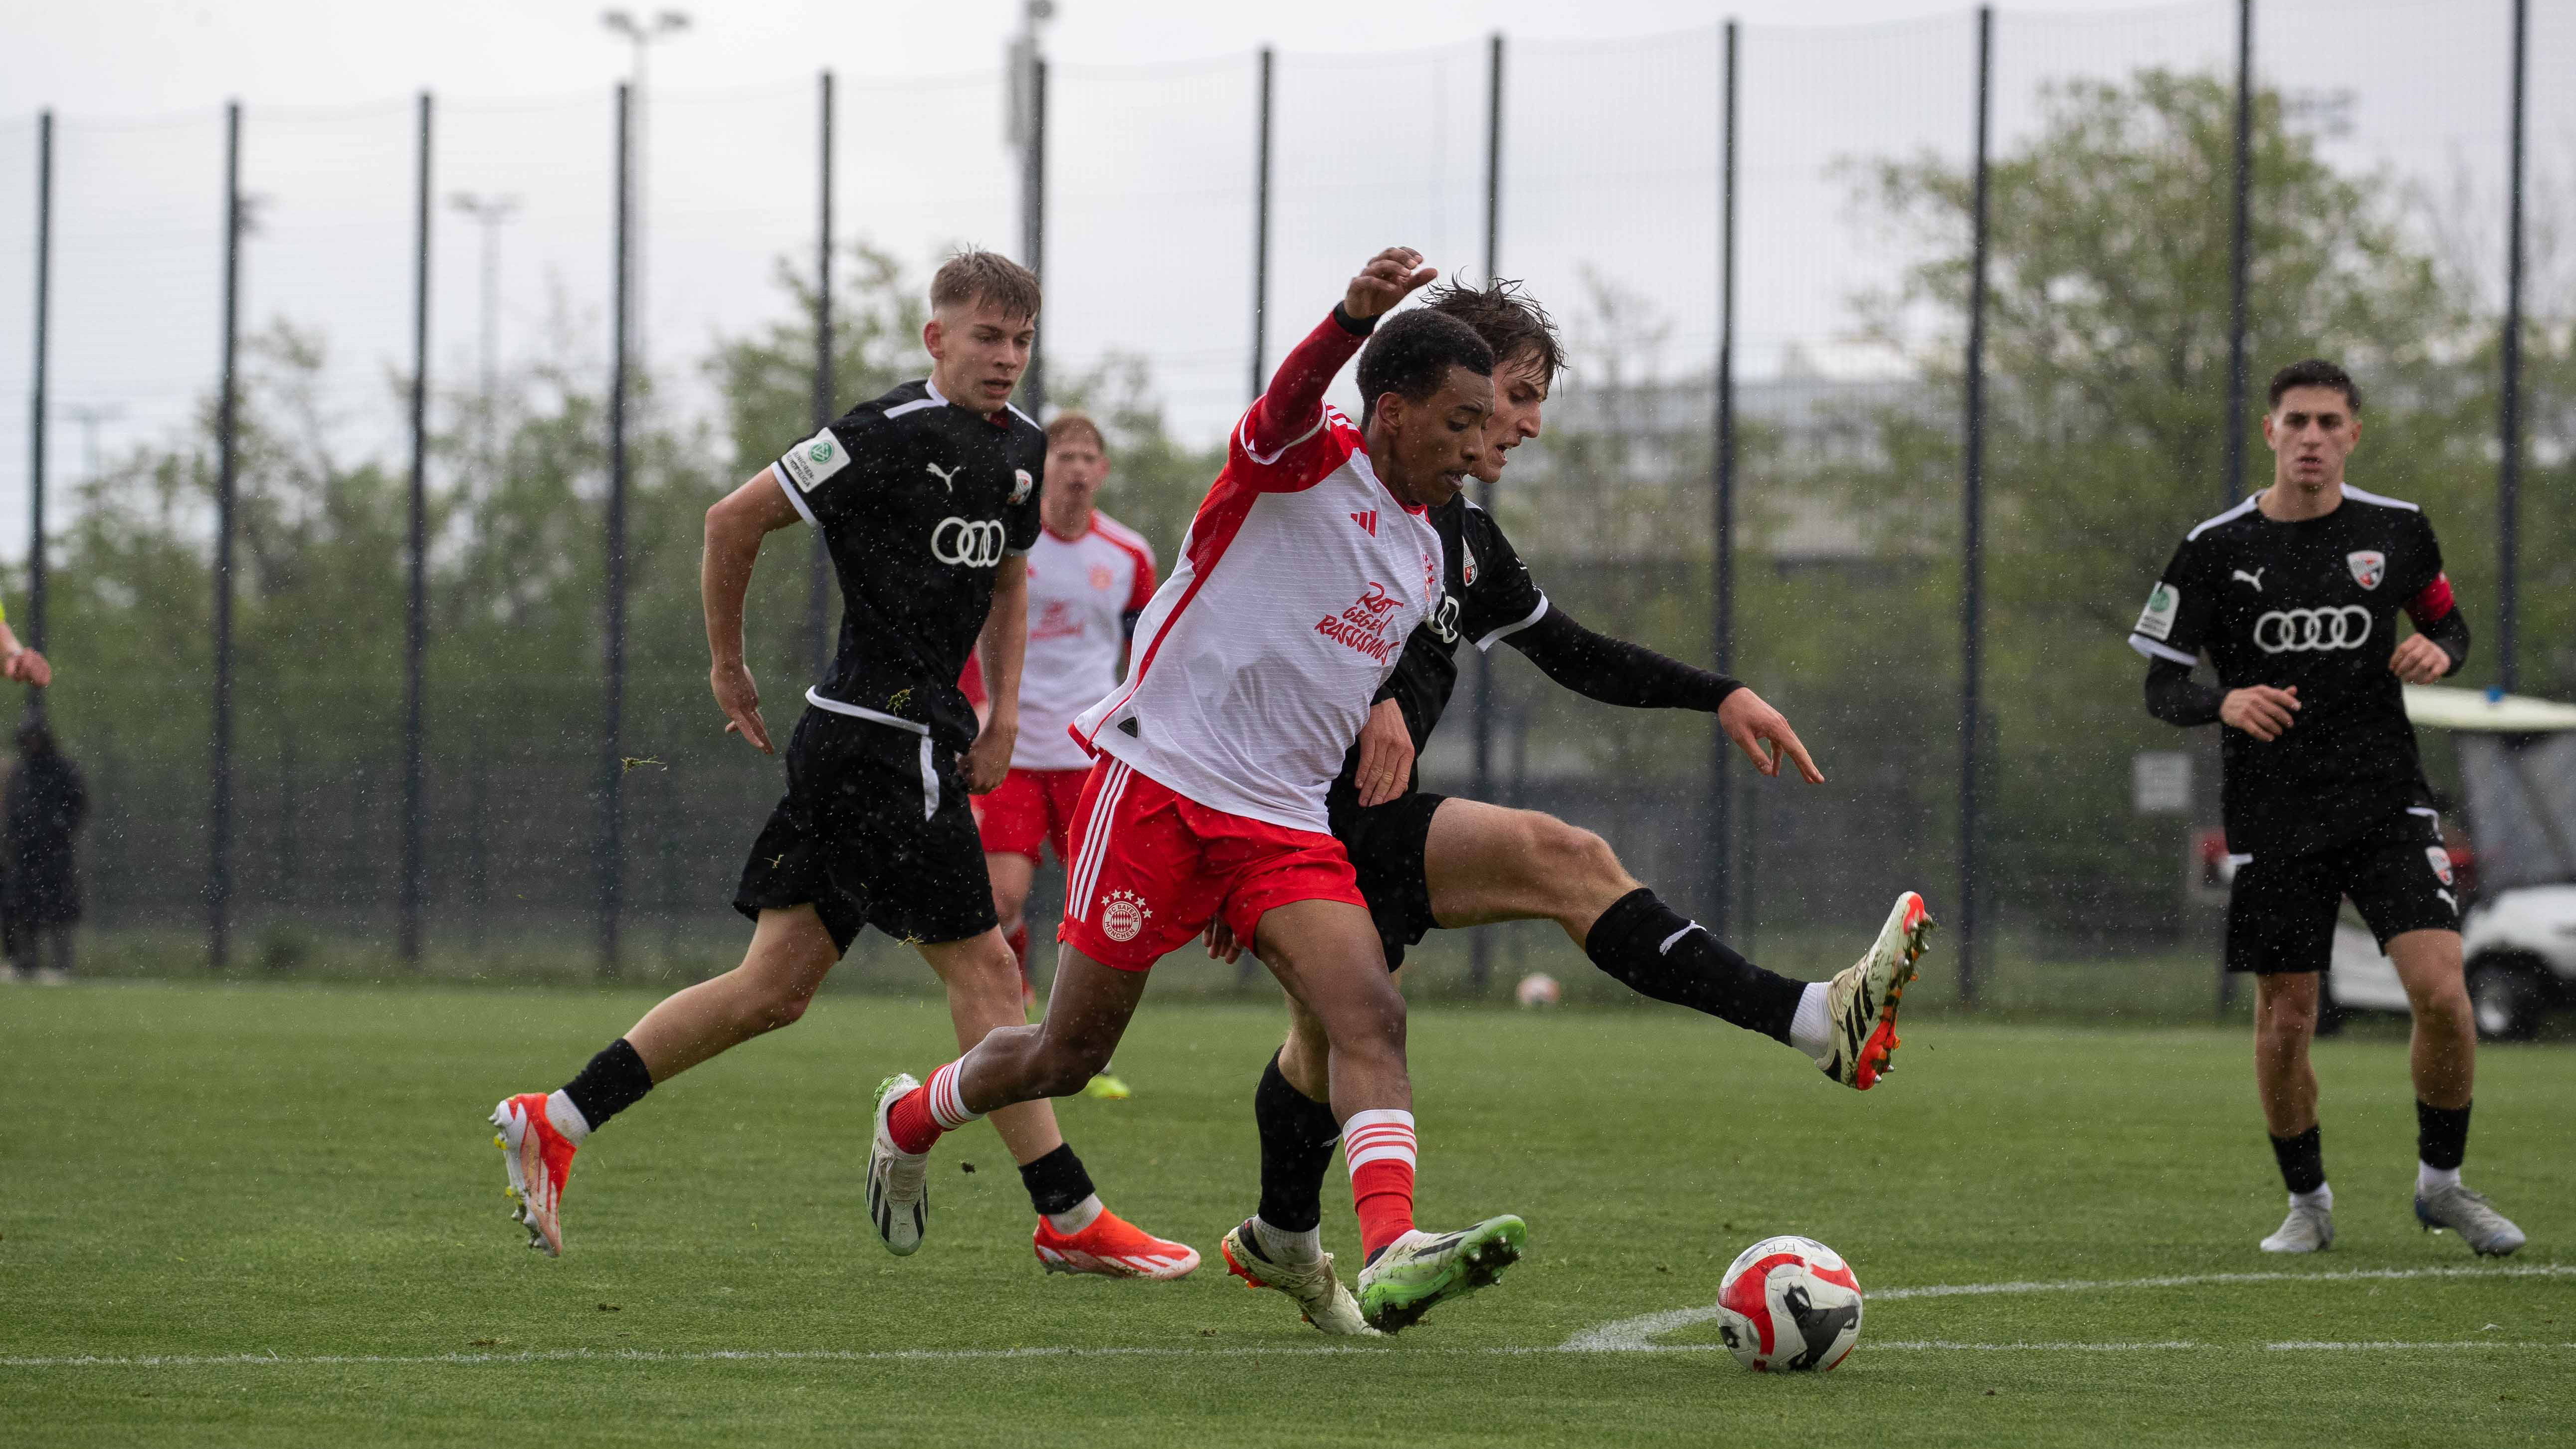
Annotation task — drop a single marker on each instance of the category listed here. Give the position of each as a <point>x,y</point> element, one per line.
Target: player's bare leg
<point>2285,1022</point>
<point>2443,1057</point>
<point>1012,873</point>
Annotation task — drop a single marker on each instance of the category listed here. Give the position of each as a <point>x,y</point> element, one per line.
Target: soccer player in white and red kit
<point>1309,564</point>
<point>1090,577</point>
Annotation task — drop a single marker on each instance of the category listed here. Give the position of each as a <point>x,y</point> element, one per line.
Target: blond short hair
<point>987,278</point>
<point>1070,424</point>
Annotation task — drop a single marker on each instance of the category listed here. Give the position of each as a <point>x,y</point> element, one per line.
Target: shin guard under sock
<point>1658,953</point>
<point>1298,1135</point>
<point>1381,1154</point>
<point>2302,1159</point>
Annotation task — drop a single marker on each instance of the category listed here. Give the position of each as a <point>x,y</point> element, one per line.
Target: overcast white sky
<point>1609,166</point>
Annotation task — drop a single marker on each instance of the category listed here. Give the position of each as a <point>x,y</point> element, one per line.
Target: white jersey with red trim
<point>1082,593</point>
<point>1298,583</point>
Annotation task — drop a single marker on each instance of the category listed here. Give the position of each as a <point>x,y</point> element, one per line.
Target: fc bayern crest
<point>2369,566</point>
<point>1122,915</point>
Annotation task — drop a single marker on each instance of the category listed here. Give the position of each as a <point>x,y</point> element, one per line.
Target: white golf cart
<point>2517,758</point>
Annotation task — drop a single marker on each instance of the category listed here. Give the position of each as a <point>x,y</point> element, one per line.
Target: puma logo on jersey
<point>2255,578</point>
<point>1367,520</point>
<point>947,477</point>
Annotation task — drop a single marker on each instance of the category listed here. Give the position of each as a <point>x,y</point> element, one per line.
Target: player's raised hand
<point>2262,711</point>
<point>28,667</point>
<point>2419,660</point>
<point>1763,734</point>
<point>739,698</point>
<point>1386,755</point>
<point>1389,278</point>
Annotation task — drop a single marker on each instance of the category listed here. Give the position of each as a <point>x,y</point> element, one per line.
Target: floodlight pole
<point>1480,957</point>
<point>2239,256</point>
<point>612,725</point>
<point>416,630</point>
<point>1261,225</point>
<point>1972,526</point>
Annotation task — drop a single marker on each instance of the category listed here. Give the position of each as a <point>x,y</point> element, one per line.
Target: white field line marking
<point>1629,1335</point>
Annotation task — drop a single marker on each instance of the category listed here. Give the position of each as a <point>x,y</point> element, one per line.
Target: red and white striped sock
<point>1380,1150</point>
<point>920,1116</point>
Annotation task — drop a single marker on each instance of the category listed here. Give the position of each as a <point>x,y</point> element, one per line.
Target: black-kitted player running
<point>2294,595</point>
<point>927,498</point>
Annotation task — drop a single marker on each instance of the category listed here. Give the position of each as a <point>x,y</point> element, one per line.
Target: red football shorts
<point>1030,806</point>
<point>1151,867</point>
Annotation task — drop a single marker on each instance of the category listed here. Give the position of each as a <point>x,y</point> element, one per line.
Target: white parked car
<point>2518,770</point>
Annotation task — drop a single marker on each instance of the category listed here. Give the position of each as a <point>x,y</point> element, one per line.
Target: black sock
<point>2302,1159</point>
<point>1297,1138</point>
<point>2442,1135</point>
<point>614,1081</point>
<point>1056,1182</point>
<point>1648,945</point>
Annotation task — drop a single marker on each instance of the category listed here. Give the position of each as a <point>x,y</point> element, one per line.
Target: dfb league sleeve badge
<point>2369,566</point>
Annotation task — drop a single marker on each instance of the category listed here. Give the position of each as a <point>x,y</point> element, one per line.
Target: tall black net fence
<point>1872,519</point>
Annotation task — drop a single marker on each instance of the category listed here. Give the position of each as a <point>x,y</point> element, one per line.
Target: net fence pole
<point>612,723</point>
<point>219,824</point>
<point>2239,255</point>
<point>818,569</point>
<point>1972,520</point>
<point>1721,785</point>
<point>416,630</point>
<point>1261,222</point>
<point>2509,414</point>
<point>1480,949</point>
<point>36,404</point>
<point>1033,224</point>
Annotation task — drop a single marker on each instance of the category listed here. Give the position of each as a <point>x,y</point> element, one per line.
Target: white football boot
<point>898,1181</point>
<point>1860,1002</point>
<point>2488,1233</point>
<point>2308,1229</point>
<point>1316,1289</point>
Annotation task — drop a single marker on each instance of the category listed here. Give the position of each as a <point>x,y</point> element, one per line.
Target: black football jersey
<point>1489,596</point>
<point>2310,605</point>
<point>919,501</point>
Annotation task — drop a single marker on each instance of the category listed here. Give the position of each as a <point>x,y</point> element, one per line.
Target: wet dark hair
<point>2315,372</point>
<point>1412,353</point>
<point>1509,319</point>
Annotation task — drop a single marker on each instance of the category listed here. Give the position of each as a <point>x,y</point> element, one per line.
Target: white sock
<point>1811,1031</point>
<point>1077,1217</point>
<point>567,1118</point>
<point>2430,1179</point>
<point>1282,1246</point>
<point>2323,1197</point>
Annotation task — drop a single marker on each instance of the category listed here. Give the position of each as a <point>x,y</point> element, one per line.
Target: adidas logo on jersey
<point>1367,520</point>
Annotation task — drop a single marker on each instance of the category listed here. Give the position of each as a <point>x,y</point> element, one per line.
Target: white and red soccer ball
<point>1789,1305</point>
<point>1536,989</point>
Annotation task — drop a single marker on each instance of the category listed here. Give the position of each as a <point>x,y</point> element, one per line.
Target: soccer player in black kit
<point>1428,861</point>
<point>2294,595</point>
<point>927,498</point>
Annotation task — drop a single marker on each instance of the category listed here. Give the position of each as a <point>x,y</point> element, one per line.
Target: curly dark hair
<point>2315,372</point>
<point>1509,319</point>
<point>1412,353</point>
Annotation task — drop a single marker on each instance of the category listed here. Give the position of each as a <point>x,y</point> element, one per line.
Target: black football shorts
<point>1386,846</point>
<point>874,830</point>
<point>2281,913</point>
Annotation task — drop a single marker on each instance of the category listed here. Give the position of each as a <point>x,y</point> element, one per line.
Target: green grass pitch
<point>272,1215</point>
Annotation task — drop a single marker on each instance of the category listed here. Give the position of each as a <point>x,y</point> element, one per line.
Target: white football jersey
<point>1298,583</point>
<point>1081,593</point>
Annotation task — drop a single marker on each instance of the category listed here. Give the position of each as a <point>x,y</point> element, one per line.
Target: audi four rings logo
<point>974,545</point>
<point>2289,631</point>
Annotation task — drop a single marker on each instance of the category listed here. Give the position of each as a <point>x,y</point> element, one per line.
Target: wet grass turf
<point>202,1173</point>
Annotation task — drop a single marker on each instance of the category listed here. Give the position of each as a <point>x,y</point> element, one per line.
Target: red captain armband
<point>970,680</point>
<point>2433,605</point>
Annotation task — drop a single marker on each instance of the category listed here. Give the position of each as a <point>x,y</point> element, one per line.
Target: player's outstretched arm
<point>735,527</point>
<point>1291,408</point>
<point>1004,643</point>
<point>1615,671</point>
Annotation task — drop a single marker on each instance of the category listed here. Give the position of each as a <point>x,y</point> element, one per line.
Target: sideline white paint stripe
<point>1628,1335</point>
